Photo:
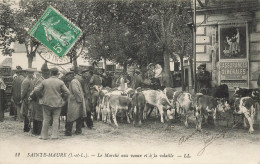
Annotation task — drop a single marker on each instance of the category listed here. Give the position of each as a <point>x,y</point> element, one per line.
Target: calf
<point>246,107</point>
<point>157,99</point>
<point>221,92</point>
<point>118,102</point>
<point>100,102</point>
<point>206,105</point>
<point>104,108</point>
<point>138,105</point>
<point>244,92</point>
<point>183,102</point>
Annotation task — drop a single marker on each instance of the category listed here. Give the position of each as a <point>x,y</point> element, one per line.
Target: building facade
<point>228,41</point>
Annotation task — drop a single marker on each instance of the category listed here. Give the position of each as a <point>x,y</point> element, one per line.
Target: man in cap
<point>37,108</point>
<point>76,105</point>
<point>55,93</point>
<point>16,94</point>
<point>203,78</point>
<point>137,79</point>
<point>26,89</point>
<point>86,75</point>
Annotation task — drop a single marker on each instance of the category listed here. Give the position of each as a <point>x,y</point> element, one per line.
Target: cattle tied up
<point>158,99</point>
<point>245,104</point>
<point>181,101</point>
<point>208,105</point>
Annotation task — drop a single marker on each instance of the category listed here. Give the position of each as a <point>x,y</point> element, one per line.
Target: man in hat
<point>76,105</point>
<point>26,89</point>
<point>55,93</point>
<point>137,79</point>
<point>95,79</point>
<point>86,75</point>
<point>16,94</point>
<point>203,78</point>
<point>37,108</point>
<point>2,98</point>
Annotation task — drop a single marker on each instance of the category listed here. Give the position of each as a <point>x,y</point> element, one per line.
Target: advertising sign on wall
<point>233,41</point>
<point>234,74</point>
<point>233,55</point>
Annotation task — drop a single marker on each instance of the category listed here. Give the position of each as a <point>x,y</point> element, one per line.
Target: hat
<point>54,70</point>
<point>202,66</point>
<point>19,67</point>
<point>68,73</point>
<point>85,70</point>
<point>45,68</point>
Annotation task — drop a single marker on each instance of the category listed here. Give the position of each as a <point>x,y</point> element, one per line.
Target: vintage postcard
<point>129,81</point>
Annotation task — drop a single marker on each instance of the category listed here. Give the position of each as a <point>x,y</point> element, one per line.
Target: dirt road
<point>151,143</point>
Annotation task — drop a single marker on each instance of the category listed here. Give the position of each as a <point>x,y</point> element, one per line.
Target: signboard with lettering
<point>234,74</point>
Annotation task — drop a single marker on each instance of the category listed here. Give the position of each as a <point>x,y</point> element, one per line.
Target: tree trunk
<point>167,73</point>
<point>182,67</point>
<point>191,72</point>
<point>182,74</point>
<point>125,67</point>
<point>105,64</point>
<point>30,60</point>
<point>75,64</point>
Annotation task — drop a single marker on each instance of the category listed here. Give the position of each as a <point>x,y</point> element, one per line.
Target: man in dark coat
<point>37,108</point>
<point>86,75</point>
<point>204,79</point>
<point>2,99</point>
<point>26,89</point>
<point>76,105</point>
<point>16,94</point>
<point>95,79</point>
<point>137,80</point>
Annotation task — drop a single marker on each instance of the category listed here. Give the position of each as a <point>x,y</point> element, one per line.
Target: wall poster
<point>233,55</point>
<point>233,41</point>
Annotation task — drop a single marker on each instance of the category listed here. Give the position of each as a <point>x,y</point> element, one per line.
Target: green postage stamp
<point>56,32</point>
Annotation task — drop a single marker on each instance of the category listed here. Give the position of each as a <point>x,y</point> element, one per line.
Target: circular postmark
<point>52,58</point>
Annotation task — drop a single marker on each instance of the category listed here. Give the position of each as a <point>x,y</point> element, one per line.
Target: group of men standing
<point>40,100</point>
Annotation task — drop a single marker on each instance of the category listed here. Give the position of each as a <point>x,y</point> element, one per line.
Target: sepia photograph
<point>129,81</point>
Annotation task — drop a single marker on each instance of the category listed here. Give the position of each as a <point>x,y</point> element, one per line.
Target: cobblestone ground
<point>150,143</point>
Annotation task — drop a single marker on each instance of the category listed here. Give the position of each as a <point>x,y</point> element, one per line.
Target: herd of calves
<point>138,104</point>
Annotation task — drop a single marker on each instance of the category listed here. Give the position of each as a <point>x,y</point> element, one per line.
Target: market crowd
<point>40,98</point>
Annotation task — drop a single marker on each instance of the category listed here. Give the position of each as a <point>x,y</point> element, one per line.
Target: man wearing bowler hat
<point>26,89</point>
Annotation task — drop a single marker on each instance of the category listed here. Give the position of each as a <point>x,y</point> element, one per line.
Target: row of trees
<point>126,32</point>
